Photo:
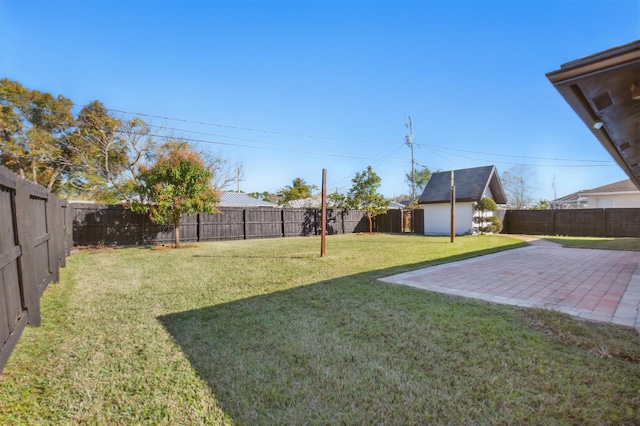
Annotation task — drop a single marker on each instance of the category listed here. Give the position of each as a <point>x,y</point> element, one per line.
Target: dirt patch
<point>173,247</point>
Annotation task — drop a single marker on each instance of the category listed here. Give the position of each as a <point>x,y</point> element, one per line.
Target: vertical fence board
<point>27,229</point>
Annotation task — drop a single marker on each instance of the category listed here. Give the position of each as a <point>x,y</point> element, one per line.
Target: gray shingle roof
<point>622,186</point>
<point>470,185</point>
<point>239,199</point>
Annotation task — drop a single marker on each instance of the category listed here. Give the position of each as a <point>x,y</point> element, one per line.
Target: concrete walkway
<point>597,285</point>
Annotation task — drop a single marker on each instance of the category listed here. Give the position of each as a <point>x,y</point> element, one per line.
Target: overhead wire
<point>252,129</point>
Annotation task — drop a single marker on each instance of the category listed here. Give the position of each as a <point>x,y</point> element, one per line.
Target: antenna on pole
<point>409,141</point>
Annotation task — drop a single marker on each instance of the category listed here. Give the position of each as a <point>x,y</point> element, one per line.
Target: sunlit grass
<point>267,332</point>
<point>629,244</point>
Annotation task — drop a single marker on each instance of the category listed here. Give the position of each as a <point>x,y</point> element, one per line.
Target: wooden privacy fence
<point>102,224</point>
<point>577,223</point>
<point>96,224</point>
<point>33,245</point>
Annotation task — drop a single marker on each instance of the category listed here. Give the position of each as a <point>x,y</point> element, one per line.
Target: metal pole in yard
<point>453,209</point>
<point>323,227</point>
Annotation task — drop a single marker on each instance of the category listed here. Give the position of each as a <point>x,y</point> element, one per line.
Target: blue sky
<point>291,87</point>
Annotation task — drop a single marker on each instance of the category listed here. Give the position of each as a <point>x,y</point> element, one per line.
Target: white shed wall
<point>437,219</point>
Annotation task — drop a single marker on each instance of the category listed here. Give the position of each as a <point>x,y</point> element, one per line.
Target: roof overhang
<point>604,91</point>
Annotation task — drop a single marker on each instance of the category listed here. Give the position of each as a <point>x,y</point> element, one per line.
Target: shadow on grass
<point>352,350</point>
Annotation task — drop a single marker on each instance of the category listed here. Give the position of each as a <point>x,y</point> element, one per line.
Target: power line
<point>535,165</point>
<point>251,129</point>
<point>513,156</point>
<point>328,138</point>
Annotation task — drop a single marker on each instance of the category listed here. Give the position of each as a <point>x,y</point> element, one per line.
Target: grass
<point>267,332</point>
<point>629,244</point>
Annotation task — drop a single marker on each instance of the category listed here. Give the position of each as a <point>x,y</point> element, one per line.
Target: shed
<point>471,185</point>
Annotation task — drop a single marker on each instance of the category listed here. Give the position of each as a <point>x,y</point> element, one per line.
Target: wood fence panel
<point>622,222</point>
<point>533,222</point>
<point>335,222</point>
<point>418,221</point>
<point>226,225</point>
<point>27,231</point>
<point>579,222</point>
<point>188,228</point>
<point>354,221</point>
<point>32,248</point>
<point>12,307</point>
<point>263,223</point>
<point>43,256</point>
<point>300,222</point>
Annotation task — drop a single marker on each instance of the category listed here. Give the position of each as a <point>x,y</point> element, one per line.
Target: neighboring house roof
<point>578,198</point>
<point>616,187</point>
<point>396,205</point>
<point>470,185</point>
<point>239,199</point>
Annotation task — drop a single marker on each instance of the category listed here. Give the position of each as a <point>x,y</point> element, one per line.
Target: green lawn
<point>630,244</point>
<point>267,332</point>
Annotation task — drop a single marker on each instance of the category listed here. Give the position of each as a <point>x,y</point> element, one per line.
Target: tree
<point>516,183</point>
<point>484,217</point>
<point>94,155</point>
<point>34,135</point>
<point>298,190</point>
<point>264,196</point>
<point>364,195</point>
<point>178,182</point>
<point>541,204</point>
<point>422,178</point>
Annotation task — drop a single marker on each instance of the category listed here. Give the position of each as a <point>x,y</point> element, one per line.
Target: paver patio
<point>597,285</point>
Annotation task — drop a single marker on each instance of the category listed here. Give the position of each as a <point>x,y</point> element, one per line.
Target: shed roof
<point>239,199</point>
<point>470,186</point>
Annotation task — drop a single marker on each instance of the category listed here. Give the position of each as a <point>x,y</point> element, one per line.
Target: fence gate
<point>407,220</point>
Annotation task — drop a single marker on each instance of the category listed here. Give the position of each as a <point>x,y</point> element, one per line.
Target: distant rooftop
<point>239,199</point>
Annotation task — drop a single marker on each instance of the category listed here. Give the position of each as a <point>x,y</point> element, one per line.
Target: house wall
<point>622,200</point>
<point>437,219</point>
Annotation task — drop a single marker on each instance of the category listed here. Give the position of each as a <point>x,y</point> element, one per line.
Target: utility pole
<point>240,171</point>
<point>409,141</point>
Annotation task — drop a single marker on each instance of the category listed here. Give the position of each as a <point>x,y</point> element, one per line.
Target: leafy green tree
<point>298,190</point>
<point>364,195</point>
<point>178,182</point>
<point>264,196</point>
<point>541,204</point>
<point>422,178</point>
<point>484,217</point>
<point>93,155</point>
<point>34,136</point>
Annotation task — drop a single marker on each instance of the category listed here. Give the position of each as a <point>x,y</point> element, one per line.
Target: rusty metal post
<point>323,232</point>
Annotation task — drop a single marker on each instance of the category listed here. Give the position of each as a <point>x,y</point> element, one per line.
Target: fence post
<point>244,223</point>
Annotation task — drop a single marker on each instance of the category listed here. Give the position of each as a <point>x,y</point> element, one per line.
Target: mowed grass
<point>267,332</point>
<point>629,244</point>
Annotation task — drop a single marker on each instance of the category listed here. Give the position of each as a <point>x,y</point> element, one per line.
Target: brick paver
<point>597,285</point>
